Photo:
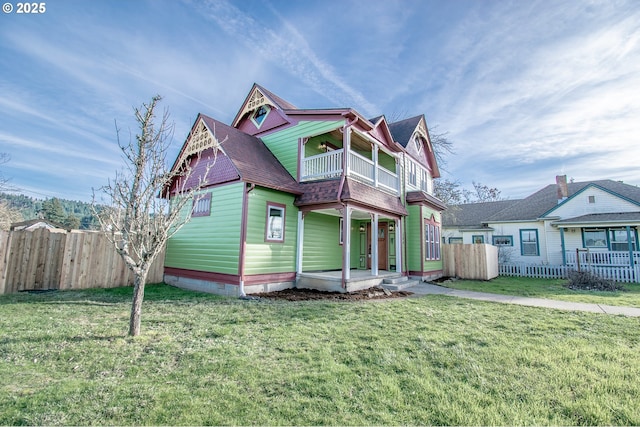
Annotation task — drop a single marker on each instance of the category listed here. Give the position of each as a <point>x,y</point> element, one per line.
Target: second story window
<point>413,173</point>
<point>424,181</point>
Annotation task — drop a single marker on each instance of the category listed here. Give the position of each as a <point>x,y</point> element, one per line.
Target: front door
<point>383,238</point>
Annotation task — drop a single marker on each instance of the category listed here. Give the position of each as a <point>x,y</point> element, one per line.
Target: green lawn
<point>65,360</point>
<point>549,288</point>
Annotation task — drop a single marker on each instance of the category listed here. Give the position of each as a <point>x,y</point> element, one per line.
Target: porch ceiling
<point>358,215</point>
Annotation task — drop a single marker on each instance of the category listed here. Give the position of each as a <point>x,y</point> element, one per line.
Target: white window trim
<point>253,113</point>
<point>268,233</point>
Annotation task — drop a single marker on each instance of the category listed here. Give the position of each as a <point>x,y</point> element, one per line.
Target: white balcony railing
<point>387,179</point>
<point>322,166</point>
<point>361,167</point>
<point>329,165</point>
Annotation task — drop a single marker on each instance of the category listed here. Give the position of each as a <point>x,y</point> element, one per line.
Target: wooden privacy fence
<point>621,273</point>
<point>470,261</point>
<point>58,259</point>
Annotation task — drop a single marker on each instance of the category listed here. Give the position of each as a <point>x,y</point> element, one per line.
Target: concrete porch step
<point>394,280</point>
<point>400,285</point>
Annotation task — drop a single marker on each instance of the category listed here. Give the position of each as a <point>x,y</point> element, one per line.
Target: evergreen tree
<point>52,210</point>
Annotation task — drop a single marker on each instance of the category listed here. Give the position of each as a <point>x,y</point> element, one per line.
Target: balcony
<point>330,165</point>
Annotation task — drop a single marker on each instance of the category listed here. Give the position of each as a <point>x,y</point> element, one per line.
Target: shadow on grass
<point>107,296</point>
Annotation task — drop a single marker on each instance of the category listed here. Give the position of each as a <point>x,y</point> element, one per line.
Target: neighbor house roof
<point>253,161</point>
<point>602,218</point>
<point>33,224</point>
<point>472,215</point>
<point>544,200</point>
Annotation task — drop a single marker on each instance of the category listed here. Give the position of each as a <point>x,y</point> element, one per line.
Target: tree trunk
<point>136,307</point>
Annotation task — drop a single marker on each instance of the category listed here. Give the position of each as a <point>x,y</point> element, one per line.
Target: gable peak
<point>200,138</point>
<point>258,97</point>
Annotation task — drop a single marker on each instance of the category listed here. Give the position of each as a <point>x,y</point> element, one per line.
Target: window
<point>432,240</point>
<point>424,180</point>
<point>341,224</point>
<point>619,240</point>
<point>259,115</point>
<point>412,173</point>
<point>418,143</point>
<point>529,243</point>
<point>477,239</point>
<point>275,222</point>
<point>453,240</point>
<point>592,199</point>
<point>594,238</point>
<point>201,205</point>
<point>503,240</point>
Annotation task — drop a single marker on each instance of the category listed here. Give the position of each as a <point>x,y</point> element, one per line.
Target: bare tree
<point>483,193</point>
<point>146,203</point>
<point>441,146</point>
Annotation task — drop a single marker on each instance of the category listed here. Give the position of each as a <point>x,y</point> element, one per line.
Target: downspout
<point>243,236</point>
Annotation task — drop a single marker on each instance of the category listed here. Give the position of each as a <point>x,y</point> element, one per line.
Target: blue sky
<point>526,90</point>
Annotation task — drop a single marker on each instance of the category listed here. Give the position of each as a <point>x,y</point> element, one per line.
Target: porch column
<point>630,246</point>
<point>346,143</point>
<point>398,246</point>
<point>300,243</point>
<point>374,244</point>
<point>346,246</point>
<point>375,165</point>
<point>564,250</point>
<point>399,172</point>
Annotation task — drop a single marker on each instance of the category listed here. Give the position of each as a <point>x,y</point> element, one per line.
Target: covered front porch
<point>346,248</point>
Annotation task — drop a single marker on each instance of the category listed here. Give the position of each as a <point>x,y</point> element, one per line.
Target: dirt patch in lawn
<point>312,294</point>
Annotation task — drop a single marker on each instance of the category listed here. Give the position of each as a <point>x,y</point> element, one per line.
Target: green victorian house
<point>309,198</point>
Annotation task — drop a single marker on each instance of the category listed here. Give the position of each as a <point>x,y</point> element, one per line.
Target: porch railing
<point>321,166</point>
<point>619,273</point>
<point>602,258</point>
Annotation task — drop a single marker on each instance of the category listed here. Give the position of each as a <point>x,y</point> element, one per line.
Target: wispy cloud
<point>569,98</point>
<point>286,48</point>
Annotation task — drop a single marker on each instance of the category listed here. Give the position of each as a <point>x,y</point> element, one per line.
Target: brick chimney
<point>563,190</point>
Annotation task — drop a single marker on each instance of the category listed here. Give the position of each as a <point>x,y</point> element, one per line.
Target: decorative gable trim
<point>255,100</point>
<point>200,138</point>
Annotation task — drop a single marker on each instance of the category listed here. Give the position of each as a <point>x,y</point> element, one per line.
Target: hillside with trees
<point>68,213</point>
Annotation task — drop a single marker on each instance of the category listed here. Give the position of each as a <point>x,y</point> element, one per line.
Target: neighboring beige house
<point>547,227</point>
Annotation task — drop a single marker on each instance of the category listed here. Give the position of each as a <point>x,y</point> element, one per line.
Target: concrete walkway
<point>429,289</point>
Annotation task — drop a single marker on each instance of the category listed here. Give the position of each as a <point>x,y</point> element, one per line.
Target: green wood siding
<point>414,238</point>
<point>386,161</point>
<point>312,147</point>
<point>211,243</point>
<point>270,257</point>
<point>284,144</point>
<point>322,249</point>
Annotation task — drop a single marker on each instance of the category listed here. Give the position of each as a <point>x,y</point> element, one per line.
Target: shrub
<point>587,281</point>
